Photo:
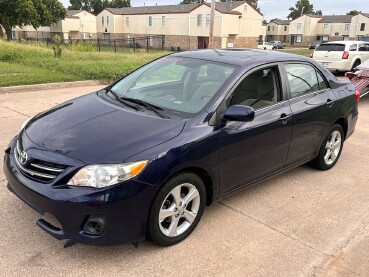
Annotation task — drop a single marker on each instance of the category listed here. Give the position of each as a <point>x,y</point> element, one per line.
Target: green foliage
<point>353,12</point>
<point>96,6</point>
<point>22,64</point>
<point>57,46</point>
<point>29,12</point>
<point>84,47</point>
<point>301,7</point>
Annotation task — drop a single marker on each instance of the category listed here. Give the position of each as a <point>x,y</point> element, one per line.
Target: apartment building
<point>279,30</point>
<point>236,24</point>
<point>78,24</point>
<point>309,28</point>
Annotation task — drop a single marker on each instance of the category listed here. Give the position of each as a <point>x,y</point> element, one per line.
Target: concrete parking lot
<point>302,223</point>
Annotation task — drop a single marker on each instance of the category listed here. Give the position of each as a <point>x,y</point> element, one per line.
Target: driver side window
<point>258,90</point>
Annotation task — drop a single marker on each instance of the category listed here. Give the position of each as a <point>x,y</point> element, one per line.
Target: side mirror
<point>239,113</point>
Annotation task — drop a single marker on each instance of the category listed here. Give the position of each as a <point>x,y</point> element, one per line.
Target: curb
<point>25,88</point>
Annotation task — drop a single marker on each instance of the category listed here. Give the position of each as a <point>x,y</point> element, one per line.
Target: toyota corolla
<point>144,156</point>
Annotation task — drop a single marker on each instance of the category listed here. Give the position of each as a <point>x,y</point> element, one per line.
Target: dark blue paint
<point>91,130</point>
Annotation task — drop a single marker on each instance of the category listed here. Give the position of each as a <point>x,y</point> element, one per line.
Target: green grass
<point>24,64</point>
<point>297,51</point>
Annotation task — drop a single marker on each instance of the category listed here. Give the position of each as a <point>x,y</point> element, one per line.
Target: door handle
<point>284,118</point>
<point>329,103</point>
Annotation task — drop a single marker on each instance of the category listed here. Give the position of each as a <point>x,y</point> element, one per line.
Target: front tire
<point>177,209</point>
<point>331,149</point>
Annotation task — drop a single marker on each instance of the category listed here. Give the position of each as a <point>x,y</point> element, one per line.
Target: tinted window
<point>331,47</point>
<point>258,90</point>
<point>362,47</point>
<point>322,82</point>
<point>302,79</point>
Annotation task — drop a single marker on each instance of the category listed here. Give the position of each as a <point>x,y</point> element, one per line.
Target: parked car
<point>360,78</point>
<point>266,46</point>
<point>277,44</point>
<point>341,55</point>
<point>315,44</point>
<point>142,157</point>
<point>365,38</point>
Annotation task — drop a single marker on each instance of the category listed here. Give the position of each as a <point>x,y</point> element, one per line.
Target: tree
<point>319,12</point>
<point>353,12</point>
<point>301,7</point>
<point>96,6</point>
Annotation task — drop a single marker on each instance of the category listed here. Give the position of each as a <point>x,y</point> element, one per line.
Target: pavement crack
<point>275,229</point>
<point>14,110</point>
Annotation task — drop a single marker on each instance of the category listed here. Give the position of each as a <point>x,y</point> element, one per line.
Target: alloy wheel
<point>333,147</point>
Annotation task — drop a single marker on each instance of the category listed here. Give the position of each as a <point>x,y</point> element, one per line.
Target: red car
<point>360,78</point>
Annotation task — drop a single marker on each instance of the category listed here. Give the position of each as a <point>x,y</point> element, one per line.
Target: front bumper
<point>124,207</point>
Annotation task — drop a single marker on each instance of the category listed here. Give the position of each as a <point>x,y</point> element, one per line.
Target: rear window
<point>331,47</point>
<point>260,43</point>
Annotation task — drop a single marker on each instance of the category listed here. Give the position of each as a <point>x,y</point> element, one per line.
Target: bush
<point>8,56</point>
<point>57,46</point>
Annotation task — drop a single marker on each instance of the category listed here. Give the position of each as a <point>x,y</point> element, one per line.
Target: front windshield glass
<point>176,84</point>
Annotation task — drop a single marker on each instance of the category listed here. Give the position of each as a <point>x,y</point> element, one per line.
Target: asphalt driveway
<point>302,223</point>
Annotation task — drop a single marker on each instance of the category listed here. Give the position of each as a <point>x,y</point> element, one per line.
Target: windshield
<point>175,84</point>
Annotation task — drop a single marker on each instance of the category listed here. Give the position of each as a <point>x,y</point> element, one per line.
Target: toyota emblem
<point>23,157</point>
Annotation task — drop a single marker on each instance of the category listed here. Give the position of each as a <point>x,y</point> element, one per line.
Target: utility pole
<point>212,15</point>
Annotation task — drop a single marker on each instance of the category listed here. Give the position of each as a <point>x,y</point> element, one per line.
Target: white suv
<point>341,55</point>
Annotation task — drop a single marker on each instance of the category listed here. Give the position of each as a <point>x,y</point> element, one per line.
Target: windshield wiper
<point>116,96</point>
<point>149,106</point>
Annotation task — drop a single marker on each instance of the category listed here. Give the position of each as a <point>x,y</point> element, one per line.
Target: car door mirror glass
<point>239,113</point>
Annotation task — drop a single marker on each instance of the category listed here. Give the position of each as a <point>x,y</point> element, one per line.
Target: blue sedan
<point>142,157</point>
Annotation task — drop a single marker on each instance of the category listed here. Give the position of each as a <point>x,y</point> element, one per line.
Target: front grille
<point>38,170</point>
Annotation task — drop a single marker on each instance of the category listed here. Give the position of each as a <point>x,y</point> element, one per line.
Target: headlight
<point>25,123</point>
<point>101,176</point>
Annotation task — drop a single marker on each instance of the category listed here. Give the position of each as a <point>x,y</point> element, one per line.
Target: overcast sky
<point>279,8</point>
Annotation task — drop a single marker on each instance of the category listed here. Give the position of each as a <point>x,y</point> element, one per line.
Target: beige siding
<point>203,30</point>
<point>356,24</point>
<point>251,22</point>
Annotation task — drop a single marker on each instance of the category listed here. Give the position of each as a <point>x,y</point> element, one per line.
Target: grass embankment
<point>298,51</point>
<point>24,64</point>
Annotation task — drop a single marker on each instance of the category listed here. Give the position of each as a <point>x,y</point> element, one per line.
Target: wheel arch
<point>343,123</point>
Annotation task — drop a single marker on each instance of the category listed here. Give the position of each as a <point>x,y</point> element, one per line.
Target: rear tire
<point>176,209</point>
<point>331,149</point>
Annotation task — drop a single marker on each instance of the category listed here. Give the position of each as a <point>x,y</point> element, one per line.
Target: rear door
<point>313,110</point>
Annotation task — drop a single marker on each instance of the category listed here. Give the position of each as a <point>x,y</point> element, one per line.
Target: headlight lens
<point>101,176</point>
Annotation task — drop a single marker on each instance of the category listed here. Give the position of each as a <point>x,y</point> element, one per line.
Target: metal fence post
<point>98,44</point>
<point>134,45</point>
<point>147,43</point>
<point>115,46</point>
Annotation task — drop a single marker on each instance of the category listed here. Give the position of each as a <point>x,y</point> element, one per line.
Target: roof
<point>183,8</point>
<point>222,7</point>
<point>280,22</point>
<point>73,12</point>
<point>239,57</point>
<point>336,19</point>
<point>365,14</point>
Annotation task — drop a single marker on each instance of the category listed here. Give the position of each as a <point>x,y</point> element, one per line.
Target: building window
<point>298,26</point>
<point>273,29</point>
<point>127,21</point>
<point>207,20</point>
<point>150,21</point>
<point>299,38</point>
<point>285,28</point>
<point>325,26</point>
<point>107,21</point>
<point>199,20</point>
<point>245,8</point>
<point>325,38</point>
<point>362,27</point>
<point>102,21</point>
<point>163,21</point>
<point>336,34</point>
<point>268,28</point>
<point>347,27</point>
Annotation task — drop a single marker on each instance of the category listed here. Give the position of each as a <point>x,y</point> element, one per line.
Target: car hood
<point>93,130</point>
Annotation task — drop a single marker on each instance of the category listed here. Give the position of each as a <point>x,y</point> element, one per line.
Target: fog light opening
<point>94,226</point>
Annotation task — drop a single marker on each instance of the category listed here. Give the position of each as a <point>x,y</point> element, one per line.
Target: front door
<point>252,150</point>
<point>203,42</point>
